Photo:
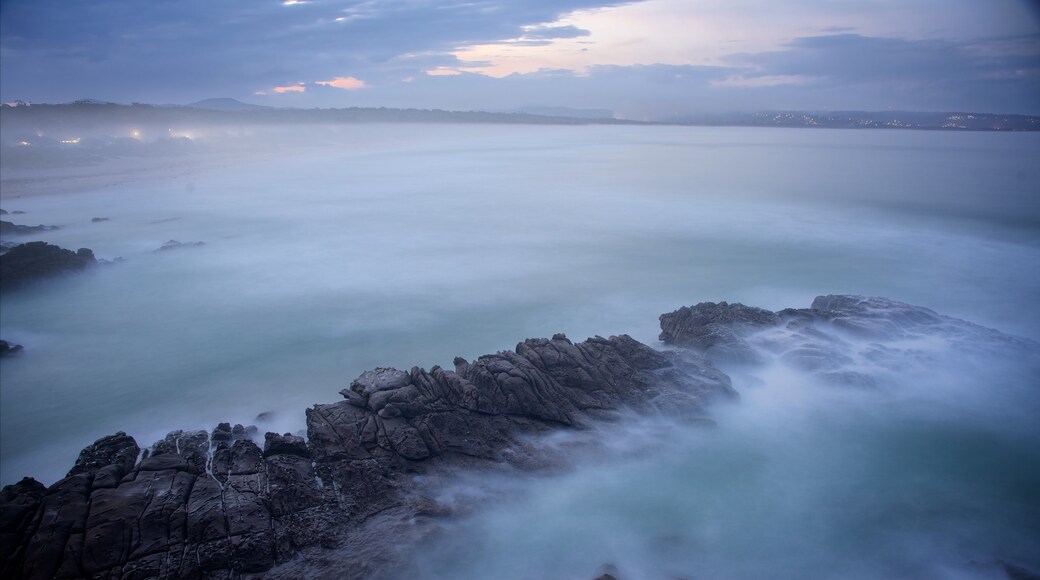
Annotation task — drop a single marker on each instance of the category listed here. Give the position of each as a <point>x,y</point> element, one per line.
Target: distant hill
<point>91,102</point>
<point>226,104</point>
<point>78,119</point>
<point>87,117</point>
<point>566,112</point>
<point>948,121</point>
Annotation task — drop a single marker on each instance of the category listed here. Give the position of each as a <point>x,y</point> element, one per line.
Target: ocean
<point>335,250</point>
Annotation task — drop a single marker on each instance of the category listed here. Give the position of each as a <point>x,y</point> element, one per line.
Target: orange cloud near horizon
<point>290,89</point>
<point>345,83</point>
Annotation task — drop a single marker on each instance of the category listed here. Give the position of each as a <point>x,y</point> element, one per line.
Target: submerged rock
<point>37,260</point>
<point>11,229</point>
<point>7,348</point>
<point>175,245</point>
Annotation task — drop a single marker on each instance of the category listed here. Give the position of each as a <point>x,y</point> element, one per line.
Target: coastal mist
<point>326,252</point>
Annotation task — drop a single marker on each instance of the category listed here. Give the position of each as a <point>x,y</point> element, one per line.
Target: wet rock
<point>239,433</point>
<point>716,329</point>
<point>118,451</point>
<point>216,505</point>
<point>8,349</point>
<point>221,433</point>
<point>33,261</point>
<point>19,504</point>
<point>287,444</point>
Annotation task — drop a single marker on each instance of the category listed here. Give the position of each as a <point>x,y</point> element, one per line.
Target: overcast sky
<point>646,59</point>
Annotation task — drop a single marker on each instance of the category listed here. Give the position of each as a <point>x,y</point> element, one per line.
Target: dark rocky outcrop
<point>7,348</point>
<point>216,505</point>
<point>716,329</point>
<point>11,229</point>
<point>342,501</point>
<point>36,260</point>
<point>822,339</point>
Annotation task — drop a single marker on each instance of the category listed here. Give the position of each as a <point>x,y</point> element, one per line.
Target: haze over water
<point>404,245</point>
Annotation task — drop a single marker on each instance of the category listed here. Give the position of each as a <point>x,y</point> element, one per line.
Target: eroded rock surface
<point>216,505</point>
<point>342,501</point>
<point>716,329</point>
<point>842,339</point>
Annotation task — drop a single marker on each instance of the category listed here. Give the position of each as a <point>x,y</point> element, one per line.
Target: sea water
<point>336,251</point>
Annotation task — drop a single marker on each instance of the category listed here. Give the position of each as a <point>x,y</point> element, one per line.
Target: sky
<point>649,59</point>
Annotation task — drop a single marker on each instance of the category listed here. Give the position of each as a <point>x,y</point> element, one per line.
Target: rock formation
<point>218,505</point>
<point>7,348</point>
<point>175,245</point>
<point>12,229</point>
<point>36,260</point>
<point>715,328</point>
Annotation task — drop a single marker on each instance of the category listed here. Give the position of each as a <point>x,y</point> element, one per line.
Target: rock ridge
<point>335,503</point>
<point>215,504</point>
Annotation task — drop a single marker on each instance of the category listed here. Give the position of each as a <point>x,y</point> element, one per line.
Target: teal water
<point>935,475</point>
<point>409,245</point>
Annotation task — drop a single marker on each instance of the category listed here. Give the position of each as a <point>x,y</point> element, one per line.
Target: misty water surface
<point>408,245</point>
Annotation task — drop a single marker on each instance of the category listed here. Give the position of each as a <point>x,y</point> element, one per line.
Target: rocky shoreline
<point>220,505</point>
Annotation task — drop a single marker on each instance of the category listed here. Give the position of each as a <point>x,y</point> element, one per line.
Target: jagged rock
<point>36,260</point>
<point>18,506</point>
<point>288,444</point>
<point>117,453</point>
<point>716,329</point>
<point>7,349</point>
<point>238,432</point>
<point>872,317</point>
<point>216,505</point>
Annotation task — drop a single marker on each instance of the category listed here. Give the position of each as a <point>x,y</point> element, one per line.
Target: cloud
<point>547,32</point>
<point>579,53</point>
<point>345,83</point>
<point>54,50</point>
